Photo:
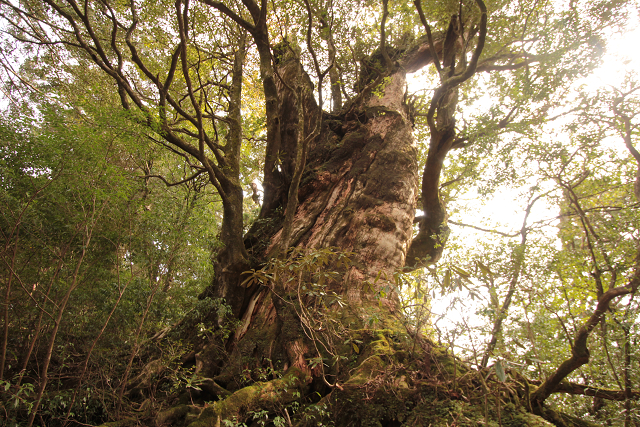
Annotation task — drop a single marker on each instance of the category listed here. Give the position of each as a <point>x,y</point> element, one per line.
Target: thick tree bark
<point>357,194</point>
<point>359,188</point>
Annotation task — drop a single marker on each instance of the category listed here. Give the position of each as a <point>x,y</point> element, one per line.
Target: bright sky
<point>506,214</point>
<point>622,56</point>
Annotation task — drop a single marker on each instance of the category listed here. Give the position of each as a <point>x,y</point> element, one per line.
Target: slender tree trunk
<point>7,299</point>
<point>93,344</point>
<point>233,259</point>
<point>15,233</point>
<point>136,346</point>
<point>518,258</point>
<point>501,315</point>
<point>61,308</point>
<point>273,180</point>
<point>43,310</point>
<point>627,377</point>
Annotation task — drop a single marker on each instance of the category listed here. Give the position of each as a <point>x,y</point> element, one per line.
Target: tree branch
<point>172,184</point>
<point>432,47</point>
<point>585,390</point>
<point>579,351</point>
<point>231,14</point>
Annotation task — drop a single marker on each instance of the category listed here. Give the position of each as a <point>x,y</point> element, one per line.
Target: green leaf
<point>248,282</point>
<point>447,279</point>
<point>484,268</point>
<point>500,371</point>
<point>462,273</point>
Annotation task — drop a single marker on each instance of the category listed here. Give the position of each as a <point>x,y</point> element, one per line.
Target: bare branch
<point>231,14</point>
<point>579,351</point>
<point>487,230</point>
<point>432,47</point>
<point>172,184</point>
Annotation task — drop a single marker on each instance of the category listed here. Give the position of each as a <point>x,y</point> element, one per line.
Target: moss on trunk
<point>388,379</point>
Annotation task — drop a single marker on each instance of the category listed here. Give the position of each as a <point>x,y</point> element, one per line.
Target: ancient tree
<point>346,190</point>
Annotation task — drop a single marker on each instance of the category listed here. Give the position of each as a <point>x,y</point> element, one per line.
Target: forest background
<point>122,197</point>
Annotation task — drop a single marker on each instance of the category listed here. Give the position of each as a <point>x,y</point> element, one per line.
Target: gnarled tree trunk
<point>358,194</point>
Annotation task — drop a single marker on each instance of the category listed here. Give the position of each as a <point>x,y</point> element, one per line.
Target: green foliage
<point>90,231</point>
<point>312,272</point>
<point>16,396</point>
<point>77,218</point>
<point>379,90</point>
<point>583,242</point>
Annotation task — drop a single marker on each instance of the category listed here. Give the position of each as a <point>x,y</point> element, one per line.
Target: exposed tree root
<point>384,383</point>
<point>268,397</point>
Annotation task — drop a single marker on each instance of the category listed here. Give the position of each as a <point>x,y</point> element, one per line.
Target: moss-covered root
<point>259,396</point>
<point>177,415</point>
<point>562,420</point>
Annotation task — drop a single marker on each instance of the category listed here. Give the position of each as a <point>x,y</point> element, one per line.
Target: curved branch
<point>473,64</point>
<point>519,257</point>
<point>172,184</point>
<point>626,121</point>
<point>628,129</point>
<point>568,387</point>
<point>475,227</point>
<point>383,34</point>
<point>230,13</point>
<point>432,47</point>
<point>579,351</point>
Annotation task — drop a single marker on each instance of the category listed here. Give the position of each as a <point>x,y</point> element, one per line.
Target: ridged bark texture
<point>359,189</point>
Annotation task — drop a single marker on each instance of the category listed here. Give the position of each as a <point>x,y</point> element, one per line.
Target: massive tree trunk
<point>306,325</point>
<point>317,321</point>
<point>358,194</point>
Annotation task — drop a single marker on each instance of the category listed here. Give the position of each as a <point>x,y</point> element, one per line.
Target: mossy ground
<point>387,379</point>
